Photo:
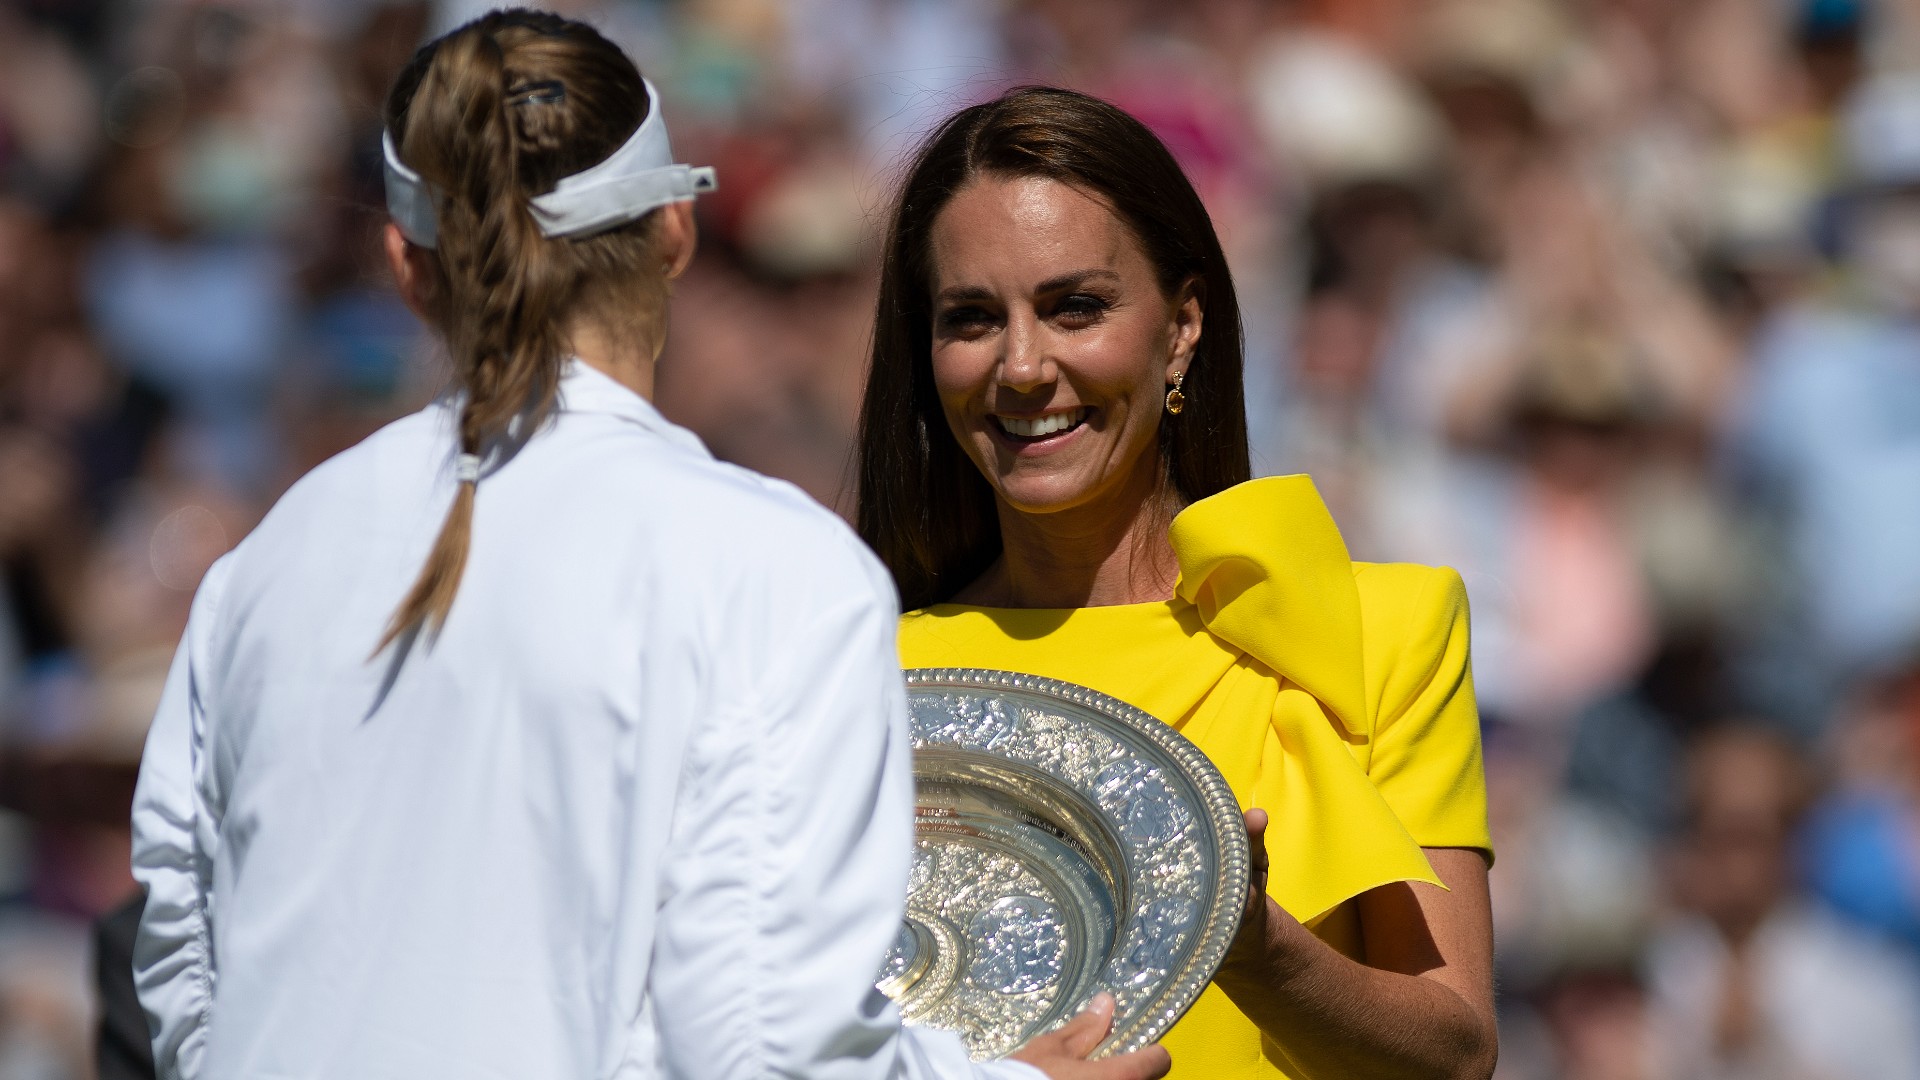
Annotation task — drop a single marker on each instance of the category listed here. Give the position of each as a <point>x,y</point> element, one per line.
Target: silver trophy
<point>1067,843</point>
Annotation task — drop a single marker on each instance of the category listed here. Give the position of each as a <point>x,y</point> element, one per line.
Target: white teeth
<point>1045,425</point>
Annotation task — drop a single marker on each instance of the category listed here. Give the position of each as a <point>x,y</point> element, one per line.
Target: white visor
<point>639,177</point>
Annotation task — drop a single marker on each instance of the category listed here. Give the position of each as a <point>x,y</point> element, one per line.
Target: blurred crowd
<point>1614,305</point>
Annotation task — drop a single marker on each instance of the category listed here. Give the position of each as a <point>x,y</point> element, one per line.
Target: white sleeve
<point>787,879</point>
<point>173,830</point>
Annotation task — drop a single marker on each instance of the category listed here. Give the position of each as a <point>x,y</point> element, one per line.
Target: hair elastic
<point>466,468</point>
<point>639,177</point>
<point>544,92</point>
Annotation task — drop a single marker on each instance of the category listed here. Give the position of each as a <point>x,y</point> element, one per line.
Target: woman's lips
<point>1042,429</point>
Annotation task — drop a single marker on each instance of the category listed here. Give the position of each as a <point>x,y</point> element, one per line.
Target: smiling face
<point>1053,344</point>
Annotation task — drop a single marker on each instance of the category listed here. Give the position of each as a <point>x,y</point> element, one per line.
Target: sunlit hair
<point>491,115</point>
<point>924,507</point>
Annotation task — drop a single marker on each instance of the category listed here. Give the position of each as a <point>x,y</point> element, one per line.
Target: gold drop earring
<point>1175,399</point>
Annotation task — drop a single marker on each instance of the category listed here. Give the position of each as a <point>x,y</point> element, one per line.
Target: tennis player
<point>525,740</point>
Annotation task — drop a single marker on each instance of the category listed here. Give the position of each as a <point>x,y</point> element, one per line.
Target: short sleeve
<point>1424,754</point>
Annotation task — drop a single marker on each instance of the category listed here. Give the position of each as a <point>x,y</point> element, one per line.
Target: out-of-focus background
<point>1611,304</point>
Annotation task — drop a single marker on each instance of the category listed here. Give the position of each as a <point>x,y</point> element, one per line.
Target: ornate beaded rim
<point>1221,814</point>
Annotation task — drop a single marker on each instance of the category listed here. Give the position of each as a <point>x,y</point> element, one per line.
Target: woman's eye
<point>966,320</point>
<point>1080,309</point>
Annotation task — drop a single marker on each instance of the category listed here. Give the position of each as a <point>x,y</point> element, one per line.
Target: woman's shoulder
<point>1409,590</point>
<point>1408,612</point>
<point>1413,633</point>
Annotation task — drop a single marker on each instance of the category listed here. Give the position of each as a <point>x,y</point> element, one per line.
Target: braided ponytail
<point>491,115</point>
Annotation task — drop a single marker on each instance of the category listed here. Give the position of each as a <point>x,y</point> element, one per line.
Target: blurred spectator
<point>1627,750</point>
<point>1574,883</point>
<point>1750,978</point>
<point>1861,846</point>
<point>1830,426</point>
<point>1593,1024</point>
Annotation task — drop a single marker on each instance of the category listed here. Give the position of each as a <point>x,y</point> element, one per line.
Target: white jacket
<point>642,809</point>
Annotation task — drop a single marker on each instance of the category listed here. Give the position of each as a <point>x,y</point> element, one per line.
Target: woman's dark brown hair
<point>924,507</point>
<point>491,115</point>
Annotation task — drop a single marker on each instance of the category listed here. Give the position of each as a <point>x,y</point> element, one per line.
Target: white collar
<point>586,389</point>
<point>583,389</point>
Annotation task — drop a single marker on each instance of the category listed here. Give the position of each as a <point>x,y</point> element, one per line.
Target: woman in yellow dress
<point>1054,468</point>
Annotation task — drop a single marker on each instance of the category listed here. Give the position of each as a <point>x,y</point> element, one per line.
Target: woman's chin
<point>1075,481</point>
<point>1045,495</point>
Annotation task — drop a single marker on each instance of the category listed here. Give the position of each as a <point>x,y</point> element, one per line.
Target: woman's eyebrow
<point>1075,278</point>
<point>962,293</point>
<point>959,294</point>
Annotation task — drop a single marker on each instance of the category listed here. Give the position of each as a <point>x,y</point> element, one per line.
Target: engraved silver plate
<point>1068,843</point>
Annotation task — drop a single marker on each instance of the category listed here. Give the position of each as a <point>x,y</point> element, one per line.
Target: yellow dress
<point>1335,695</point>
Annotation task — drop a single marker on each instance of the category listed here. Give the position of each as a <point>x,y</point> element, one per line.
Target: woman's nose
<point>1023,363</point>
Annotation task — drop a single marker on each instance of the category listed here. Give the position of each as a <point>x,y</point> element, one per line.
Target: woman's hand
<point>1255,946</point>
<point>1420,1002</point>
<point>1062,1054</point>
